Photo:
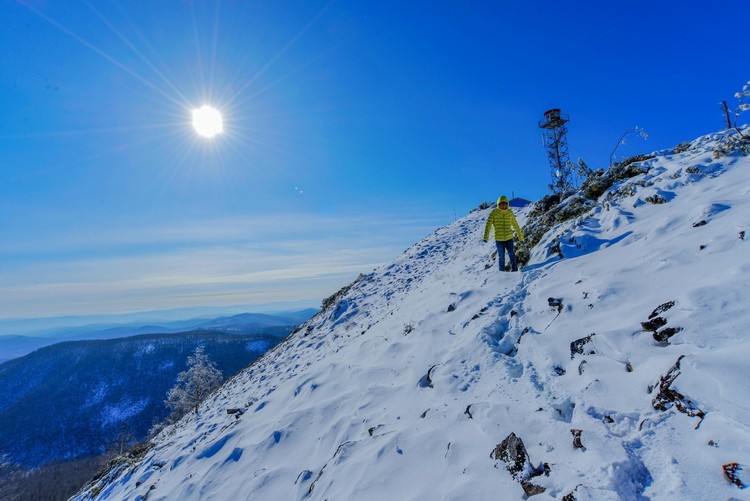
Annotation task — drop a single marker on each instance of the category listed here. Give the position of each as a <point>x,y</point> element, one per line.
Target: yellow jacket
<point>504,223</point>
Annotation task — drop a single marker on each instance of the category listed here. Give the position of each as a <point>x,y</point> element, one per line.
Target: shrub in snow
<point>656,199</point>
<point>116,466</point>
<point>682,147</point>
<point>193,385</point>
<point>737,139</point>
<point>600,181</point>
<point>548,212</point>
<point>555,209</point>
<point>639,131</point>
<point>621,168</point>
<point>331,300</point>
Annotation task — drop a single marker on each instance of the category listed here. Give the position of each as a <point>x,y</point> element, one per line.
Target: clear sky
<point>353,128</point>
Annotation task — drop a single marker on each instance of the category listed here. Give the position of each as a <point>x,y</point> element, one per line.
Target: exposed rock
<point>629,367</point>
<point>524,331</point>
<point>468,411</point>
<point>556,303</point>
<point>661,309</point>
<point>452,307</point>
<point>667,396</point>
<point>236,411</point>
<point>513,453</point>
<point>702,222</point>
<point>577,438</point>
<point>581,367</point>
<point>531,489</point>
<point>662,337</point>
<point>654,324</point>
<point>373,429</point>
<point>730,471</point>
<point>577,346</point>
<point>426,381</point>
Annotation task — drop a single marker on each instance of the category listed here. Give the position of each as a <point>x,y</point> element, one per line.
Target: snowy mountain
<point>71,400</point>
<point>277,325</point>
<point>618,357</point>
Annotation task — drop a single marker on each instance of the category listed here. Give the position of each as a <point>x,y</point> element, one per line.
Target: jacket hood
<point>502,199</point>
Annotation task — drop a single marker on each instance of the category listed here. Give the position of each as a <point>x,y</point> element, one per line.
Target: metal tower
<point>553,135</point>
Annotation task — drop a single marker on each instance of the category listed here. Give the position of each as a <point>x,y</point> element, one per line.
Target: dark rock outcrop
<point>656,322</point>
<point>512,452</point>
<point>577,438</point>
<point>426,381</point>
<point>666,396</point>
<point>654,325</point>
<point>731,472</point>
<point>577,347</point>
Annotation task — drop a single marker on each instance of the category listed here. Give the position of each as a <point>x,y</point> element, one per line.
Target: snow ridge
<point>404,385</point>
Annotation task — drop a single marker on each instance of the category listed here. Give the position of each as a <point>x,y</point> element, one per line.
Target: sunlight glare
<point>207,121</point>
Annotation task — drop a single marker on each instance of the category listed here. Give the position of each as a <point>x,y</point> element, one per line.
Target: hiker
<point>504,222</point>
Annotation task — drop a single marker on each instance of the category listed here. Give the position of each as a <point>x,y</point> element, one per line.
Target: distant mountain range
<point>73,399</point>
<point>277,325</point>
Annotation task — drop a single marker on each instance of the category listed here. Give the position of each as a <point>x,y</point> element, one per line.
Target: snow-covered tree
<point>194,384</point>
<point>738,138</point>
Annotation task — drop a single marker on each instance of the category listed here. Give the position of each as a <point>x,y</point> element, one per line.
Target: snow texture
<point>403,387</point>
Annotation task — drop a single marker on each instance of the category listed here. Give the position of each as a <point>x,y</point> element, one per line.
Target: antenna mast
<point>554,133</point>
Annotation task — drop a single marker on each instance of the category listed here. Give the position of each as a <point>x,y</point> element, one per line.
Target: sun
<point>207,121</point>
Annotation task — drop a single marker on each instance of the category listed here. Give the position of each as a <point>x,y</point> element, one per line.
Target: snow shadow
<point>214,448</point>
<point>631,478</point>
<point>581,245</point>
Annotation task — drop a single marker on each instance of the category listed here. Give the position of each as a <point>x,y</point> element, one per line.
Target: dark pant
<point>506,245</point>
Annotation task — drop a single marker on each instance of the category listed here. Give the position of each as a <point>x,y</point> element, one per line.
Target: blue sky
<point>352,130</point>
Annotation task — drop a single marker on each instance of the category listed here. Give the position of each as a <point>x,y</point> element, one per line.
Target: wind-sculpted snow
<point>403,387</point>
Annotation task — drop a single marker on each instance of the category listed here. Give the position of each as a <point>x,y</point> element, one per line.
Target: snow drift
<point>618,357</point>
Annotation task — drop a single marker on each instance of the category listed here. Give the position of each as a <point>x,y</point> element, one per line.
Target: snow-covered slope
<point>403,387</point>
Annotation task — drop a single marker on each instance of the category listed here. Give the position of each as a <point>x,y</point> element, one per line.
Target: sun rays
<point>191,94</point>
